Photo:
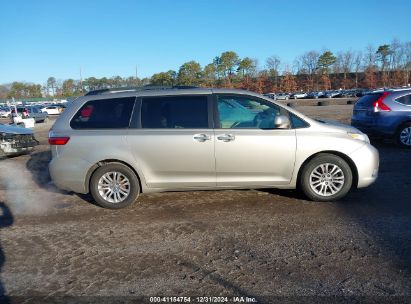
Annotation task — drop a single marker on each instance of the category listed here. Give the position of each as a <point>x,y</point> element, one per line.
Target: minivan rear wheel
<point>114,186</point>
<point>404,135</point>
<point>327,177</point>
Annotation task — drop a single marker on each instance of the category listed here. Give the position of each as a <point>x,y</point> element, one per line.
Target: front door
<point>249,150</point>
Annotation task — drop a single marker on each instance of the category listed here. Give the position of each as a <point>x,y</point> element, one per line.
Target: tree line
<point>388,65</point>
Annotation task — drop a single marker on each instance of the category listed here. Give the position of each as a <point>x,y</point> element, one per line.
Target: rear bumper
<point>372,128</point>
<point>367,162</point>
<point>69,174</point>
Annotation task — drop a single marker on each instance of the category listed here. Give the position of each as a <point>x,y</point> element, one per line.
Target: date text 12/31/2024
<point>239,299</point>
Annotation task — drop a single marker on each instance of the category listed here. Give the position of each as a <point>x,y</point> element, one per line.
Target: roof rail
<point>136,89</point>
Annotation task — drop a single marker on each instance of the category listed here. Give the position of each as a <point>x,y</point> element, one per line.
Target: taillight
<point>58,141</point>
<point>379,104</point>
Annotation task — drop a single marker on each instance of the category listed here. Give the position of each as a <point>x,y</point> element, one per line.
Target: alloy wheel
<point>405,136</point>
<point>114,187</point>
<point>327,179</point>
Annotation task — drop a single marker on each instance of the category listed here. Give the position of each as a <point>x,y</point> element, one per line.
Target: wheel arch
<point>107,161</point>
<point>402,124</point>
<point>345,157</point>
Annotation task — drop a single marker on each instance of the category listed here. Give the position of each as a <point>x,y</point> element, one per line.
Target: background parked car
<point>5,112</point>
<point>53,110</point>
<point>32,112</point>
<point>21,111</point>
<point>362,92</point>
<point>385,113</point>
<point>331,94</point>
<point>271,95</point>
<point>282,96</point>
<point>62,106</point>
<point>298,95</point>
<point>37,114</point>
<point>348,93</point>
<point>315,94</point>
<point>15,140</point>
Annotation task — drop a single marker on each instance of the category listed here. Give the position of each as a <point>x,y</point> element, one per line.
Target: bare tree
<point>369,57</point>
<point>309,66</point>
<point>345,62</point>
<point>397,49</point>
<point>407,61</point>
<point>273,66</point>
<point>357,64</point>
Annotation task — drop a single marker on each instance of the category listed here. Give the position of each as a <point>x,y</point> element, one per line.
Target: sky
<point>43,38</point>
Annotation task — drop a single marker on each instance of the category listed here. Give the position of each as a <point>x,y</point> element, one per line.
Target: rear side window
<point>180,112</point>
<point>104,114</point>
<point>367,100</point>
<point>406,100</point>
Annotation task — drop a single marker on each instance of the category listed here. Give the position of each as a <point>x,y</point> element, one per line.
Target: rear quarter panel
<point>104,144</point>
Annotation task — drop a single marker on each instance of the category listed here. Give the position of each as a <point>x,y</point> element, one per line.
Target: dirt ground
<point>270,245</point>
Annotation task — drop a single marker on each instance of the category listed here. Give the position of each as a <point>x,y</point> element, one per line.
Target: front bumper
<point>367,162</point>
<point>16,144</point>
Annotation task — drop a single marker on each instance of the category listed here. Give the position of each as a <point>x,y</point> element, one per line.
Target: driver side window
<point>236,112</point>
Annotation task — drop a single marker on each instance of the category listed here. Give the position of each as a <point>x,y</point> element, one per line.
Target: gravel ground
<point>253,243</point>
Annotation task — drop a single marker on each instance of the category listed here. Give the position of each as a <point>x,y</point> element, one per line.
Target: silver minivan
<point>118,144</point>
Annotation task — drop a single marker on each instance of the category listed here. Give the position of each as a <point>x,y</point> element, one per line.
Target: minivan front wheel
<point>114,186</point>
<point>326,177</point>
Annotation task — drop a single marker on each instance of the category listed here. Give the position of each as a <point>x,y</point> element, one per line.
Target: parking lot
<point>255,243</point>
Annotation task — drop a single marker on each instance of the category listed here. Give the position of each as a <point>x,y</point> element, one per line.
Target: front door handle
<point>226,137</point>
<point>201,137</point>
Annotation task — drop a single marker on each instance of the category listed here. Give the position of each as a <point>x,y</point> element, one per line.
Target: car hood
<point>14,130</point>
<point>337,126</point>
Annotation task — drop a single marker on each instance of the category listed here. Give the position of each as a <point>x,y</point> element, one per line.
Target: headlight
<point>359,136</point>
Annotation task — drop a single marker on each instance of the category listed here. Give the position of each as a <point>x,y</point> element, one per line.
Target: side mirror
<point>282,122</point>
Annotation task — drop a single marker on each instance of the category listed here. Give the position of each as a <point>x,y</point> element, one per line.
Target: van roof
<point>161,91</point>
<point>164,90</point>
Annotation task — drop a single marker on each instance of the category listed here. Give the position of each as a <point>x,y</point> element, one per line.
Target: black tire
<point>134,187</point>
<point>401,131</point>
<point>324,103</point>
<point>350,102</point>
<point>324,158</point>
<point>291,104</point>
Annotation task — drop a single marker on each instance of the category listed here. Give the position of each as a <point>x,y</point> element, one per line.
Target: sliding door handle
<point>226,137</point>
<point>201,137</point>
